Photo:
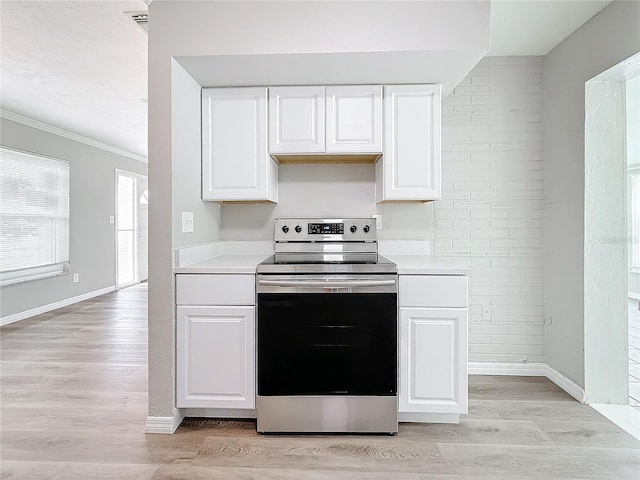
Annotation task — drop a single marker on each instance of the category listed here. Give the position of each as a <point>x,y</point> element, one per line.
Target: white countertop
<point>224,264</point>
<point>429,265</point>
<point>407,265</point>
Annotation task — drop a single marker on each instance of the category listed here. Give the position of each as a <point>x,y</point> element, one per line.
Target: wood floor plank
<point>73,401</point>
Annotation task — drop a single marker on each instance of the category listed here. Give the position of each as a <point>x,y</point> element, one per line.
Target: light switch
<point>112,219</point>
<point>378,221</point>
<point>187,222</point>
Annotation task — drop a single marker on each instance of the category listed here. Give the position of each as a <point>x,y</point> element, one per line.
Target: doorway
<point>131,228</point>
<point>607,248</point>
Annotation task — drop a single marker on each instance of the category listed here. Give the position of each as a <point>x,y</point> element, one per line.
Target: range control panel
<point>325,230</point>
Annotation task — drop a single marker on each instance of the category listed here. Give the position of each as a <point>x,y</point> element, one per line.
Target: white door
<point>354,119</point>
<point>296,120</point>
<point>215,358</point>
<point>129,218</point>
<point>143,230</point>
<point>433,360</point>
<point>126,229</point>
<point>410,166</point>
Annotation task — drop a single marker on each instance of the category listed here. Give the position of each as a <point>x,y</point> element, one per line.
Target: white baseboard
<point>529,370</point>
<point>573,389</point>
<point>53,306</point>
<point>624,416</point>
<point>521,369</point>
<point>164,425</point>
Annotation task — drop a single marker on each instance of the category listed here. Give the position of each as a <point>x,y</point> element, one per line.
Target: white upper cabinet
<point>410,166</point>
<point>235,163</point>
<point>296,120</point>
<point>354,119</point>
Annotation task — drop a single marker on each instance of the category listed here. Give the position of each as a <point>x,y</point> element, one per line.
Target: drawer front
<point>433,291</point>
<point>210,289</point>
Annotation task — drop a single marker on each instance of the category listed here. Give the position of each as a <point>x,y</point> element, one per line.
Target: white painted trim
<point>53,306</point>
<point>518,369</point>
<point>532,370</point>
<point>633,295</point>
<point>624,416</point>
<point>164,425</point>
<point>30,122</point>
<point>573,389</point>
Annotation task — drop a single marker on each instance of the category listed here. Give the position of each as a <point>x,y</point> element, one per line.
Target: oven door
<point>327,335</point>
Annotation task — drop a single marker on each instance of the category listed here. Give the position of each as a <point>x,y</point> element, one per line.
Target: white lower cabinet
<point>433,348</point>
<point>434,360</point>
<point>215,357</point>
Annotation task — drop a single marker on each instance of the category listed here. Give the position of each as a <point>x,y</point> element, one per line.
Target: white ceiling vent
<point>141,19</point>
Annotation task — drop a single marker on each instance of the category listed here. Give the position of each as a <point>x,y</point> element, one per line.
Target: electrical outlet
<point>112,219</point>
<point>187,222</point>
<point>378,221</point>
<point>76,277</point>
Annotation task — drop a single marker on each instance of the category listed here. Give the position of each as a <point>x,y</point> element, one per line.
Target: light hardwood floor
<point>74,404</point>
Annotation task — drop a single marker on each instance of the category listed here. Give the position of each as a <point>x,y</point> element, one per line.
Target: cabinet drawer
<point>433,291</point>
<point>203,289</point>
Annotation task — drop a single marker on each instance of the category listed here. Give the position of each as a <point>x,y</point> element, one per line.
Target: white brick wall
<point>492,204</point>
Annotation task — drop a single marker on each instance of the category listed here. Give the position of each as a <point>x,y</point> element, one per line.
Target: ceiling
<point>82,65</point>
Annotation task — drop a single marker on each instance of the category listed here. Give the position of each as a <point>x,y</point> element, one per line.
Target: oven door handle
<point>325,284</point>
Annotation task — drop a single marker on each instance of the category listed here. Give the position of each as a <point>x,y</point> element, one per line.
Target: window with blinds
<point>34,216</point>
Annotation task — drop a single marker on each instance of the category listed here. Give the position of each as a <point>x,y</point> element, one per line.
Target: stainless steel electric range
<point>327,330</point>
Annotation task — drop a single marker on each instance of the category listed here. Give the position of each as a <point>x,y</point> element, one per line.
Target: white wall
<point>91,203</point>
<point>327,191</point>
<point>610,37</point>
<point>492,204</point>
<point>185,28</point>
<point>632,96</point>
<point>605,230</point>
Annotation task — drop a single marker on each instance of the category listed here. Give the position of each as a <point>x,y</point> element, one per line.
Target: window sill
<point>30,274</point>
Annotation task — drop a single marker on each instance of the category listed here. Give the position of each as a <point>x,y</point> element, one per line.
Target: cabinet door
<point>215,357</point>
<point>354,119</point>
<point>235,162</point>
<point>410,166</point>
<point>296,120</point>
<point>433,360</point>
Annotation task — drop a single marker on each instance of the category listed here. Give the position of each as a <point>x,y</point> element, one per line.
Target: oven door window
<point>327,344</point>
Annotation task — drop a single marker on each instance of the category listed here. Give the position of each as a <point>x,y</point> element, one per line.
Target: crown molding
<point>30,122</point>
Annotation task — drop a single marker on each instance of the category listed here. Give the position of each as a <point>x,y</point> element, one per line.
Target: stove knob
<point>366,228</point>
<point>298,228</point>
<point>353,229</point>
<point>285,229</point>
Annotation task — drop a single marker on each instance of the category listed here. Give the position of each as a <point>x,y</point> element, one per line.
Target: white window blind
<point>34,216</point>
<point>635,221</point>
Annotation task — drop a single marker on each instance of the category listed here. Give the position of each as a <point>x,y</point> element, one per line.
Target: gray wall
<point>610,37</point>
<point>186,152</point>
<point>92,201</point>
